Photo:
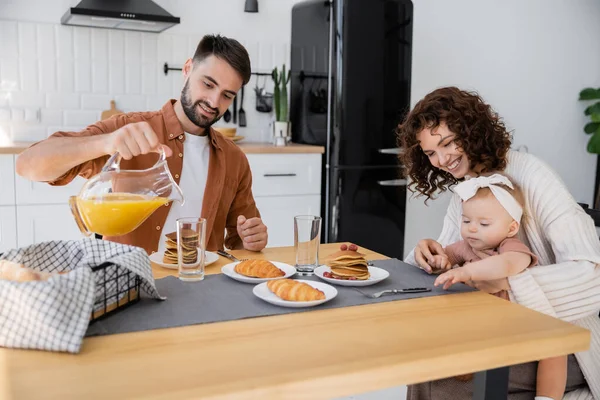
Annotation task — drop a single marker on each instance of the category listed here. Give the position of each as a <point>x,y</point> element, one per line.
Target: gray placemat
<point>220,298</point>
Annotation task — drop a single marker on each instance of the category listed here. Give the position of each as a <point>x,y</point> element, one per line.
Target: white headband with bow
<point>469,188</point>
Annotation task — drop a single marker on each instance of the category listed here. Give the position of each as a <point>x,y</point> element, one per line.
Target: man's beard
<point>191,109</point>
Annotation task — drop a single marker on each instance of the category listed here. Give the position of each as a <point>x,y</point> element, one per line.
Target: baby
<point>491,214</point>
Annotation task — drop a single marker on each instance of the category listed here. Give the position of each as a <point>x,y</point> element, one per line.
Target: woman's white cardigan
<point>566,284</point>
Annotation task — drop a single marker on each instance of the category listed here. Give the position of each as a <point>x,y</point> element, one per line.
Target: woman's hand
<point>425,251</point>
<point>441,263</point>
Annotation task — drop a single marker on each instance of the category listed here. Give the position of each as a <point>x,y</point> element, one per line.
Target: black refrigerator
<point>350,87</point>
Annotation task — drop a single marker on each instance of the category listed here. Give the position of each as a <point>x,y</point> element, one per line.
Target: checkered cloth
<point>54,314</point>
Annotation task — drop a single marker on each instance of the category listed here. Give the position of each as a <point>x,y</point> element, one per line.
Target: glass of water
<point>307,238</point>
<point>191,245</point>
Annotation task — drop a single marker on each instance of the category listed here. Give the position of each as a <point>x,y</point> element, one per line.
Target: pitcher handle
<point>114,162</point>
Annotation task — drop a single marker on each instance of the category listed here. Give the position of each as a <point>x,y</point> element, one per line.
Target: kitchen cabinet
<point>28,192</point>
<point>278,214</point>
<point>40,223</point>
<point>285,185</point>
<point>285,174</point>
<point>7,180</point>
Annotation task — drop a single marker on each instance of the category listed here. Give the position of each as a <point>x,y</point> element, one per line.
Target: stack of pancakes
<point>189,247</point>
<point>348,264</point>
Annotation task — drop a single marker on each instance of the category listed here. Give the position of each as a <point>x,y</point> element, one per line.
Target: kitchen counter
<point>247,147</point>
<point>268,148</point>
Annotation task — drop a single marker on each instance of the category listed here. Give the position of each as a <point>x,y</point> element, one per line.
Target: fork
<point>230,256</point>
<point>395,291</point>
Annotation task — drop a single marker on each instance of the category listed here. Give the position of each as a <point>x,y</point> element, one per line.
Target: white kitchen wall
<point>55,77</point>
<point>529,59</point>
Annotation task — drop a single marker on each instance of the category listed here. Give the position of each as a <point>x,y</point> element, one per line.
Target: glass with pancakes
<point>189,247</point>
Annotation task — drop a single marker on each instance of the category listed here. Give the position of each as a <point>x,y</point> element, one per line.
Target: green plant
<point>280,93</point>
<point>593,127</point>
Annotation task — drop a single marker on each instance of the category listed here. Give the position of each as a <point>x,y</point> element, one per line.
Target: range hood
<point>133,15</point>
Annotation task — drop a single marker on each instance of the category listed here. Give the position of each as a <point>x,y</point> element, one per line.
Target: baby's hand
<point>453,276</point>
<point>440,263</point>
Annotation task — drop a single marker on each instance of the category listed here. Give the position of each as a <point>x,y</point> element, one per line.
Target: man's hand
<point>134,139</point>
<point>453,276</point>
<point>252,232</point>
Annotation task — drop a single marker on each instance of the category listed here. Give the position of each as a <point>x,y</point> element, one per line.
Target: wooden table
<point>310,355</point>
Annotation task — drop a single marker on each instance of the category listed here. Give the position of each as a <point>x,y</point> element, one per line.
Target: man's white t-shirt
<point>194,174</point>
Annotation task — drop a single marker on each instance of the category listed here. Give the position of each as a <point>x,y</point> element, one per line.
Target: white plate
<point>157,258</point>
<point>230,272</point>
<point>262,292</point>
<point>377,275</point>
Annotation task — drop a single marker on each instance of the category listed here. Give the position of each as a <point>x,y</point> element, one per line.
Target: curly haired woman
<point>451,135</point>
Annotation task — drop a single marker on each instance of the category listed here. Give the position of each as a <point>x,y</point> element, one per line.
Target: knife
<point>227,255</point>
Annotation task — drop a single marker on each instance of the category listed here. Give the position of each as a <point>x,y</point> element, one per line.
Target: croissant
<point>258,269</point>
<point>17,272</point>
<point>291,290</point>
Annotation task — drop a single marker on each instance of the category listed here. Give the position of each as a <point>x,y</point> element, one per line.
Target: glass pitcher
<point>116,202</point>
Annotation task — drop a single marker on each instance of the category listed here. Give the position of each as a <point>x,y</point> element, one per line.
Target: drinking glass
<point>191,245</point>
<point>307,238</point>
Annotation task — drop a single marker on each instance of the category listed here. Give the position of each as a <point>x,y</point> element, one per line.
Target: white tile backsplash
<point>99,45</point>
<point>95,101</point>
<point>116,45</point>
<point>52,117</point>
<point>133,48</point>
<point>148,78</point>
<point>128,103</point>
<point>48,75</point>
<point>9,67</point>
<point>155,102</point>
<point>46,41</point>
<point>28,133</point>
<point>66,75</point>
<point>9,42</point>
<point>64,42</point>
<point>63,77</point>
<point>4,115</point>
<point>100,76</point>
<point>26,99</point>
<point>17,115</point>
<point>27,40</point>
<point>83,75</point>
<point>28,68</point>
<point>149,48</point>
<point>133,76</point>
<point>82,44</point>
<point>116,77</point>
<point>80,117</point>
<point>63,101</point>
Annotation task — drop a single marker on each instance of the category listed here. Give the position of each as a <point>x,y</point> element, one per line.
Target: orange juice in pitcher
<point>115,214</point>
<point>115,202</point>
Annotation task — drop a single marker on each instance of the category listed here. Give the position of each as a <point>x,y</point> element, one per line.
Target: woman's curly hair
<point>479,131</point>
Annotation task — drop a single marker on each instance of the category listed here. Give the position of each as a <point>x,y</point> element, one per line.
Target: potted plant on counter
<point>281,126</point>
<point>592,128</point>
